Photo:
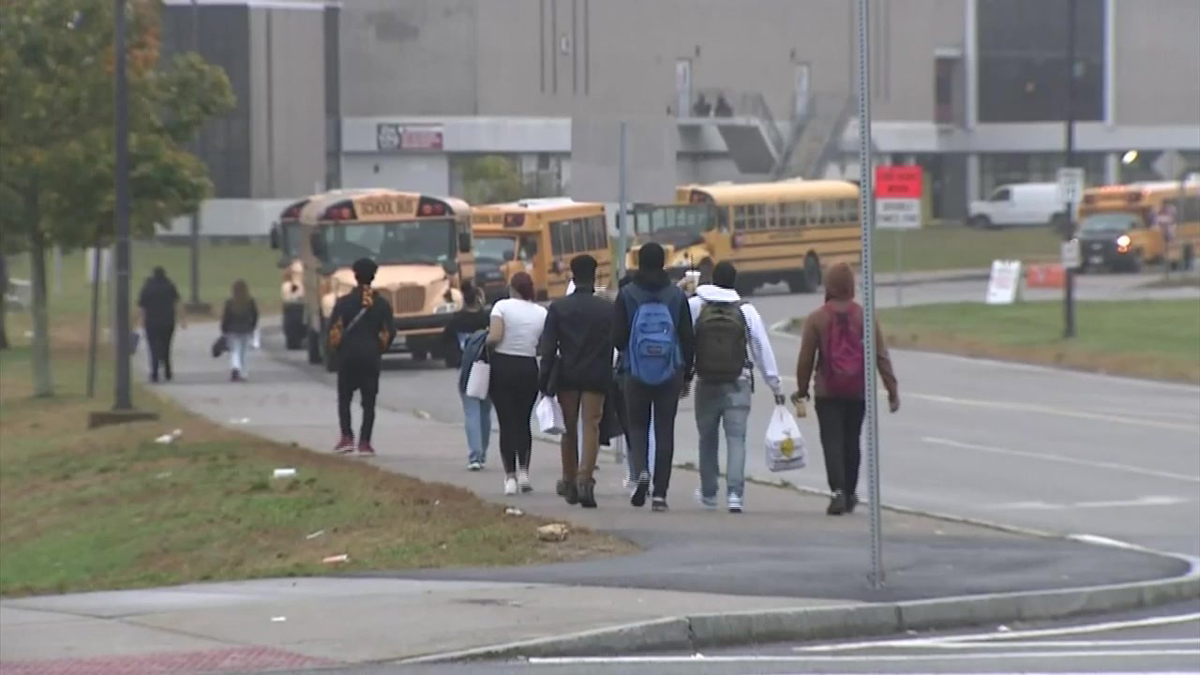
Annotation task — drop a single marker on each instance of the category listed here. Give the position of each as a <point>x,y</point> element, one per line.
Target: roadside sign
<point>898,197</point>
<point>1070,185</point>
<point>1070,254</point>
<point>1170,164</point>
<point>1004,284</point>
<point>898,214</point>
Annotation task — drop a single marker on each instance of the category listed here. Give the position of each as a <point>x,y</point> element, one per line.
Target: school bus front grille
<point>409,300</point>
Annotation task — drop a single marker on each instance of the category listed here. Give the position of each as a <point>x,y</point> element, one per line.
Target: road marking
<point>811,658</point>
<point>1058,644</point>
<point>1016,635</point>
<point>1113,466</point>
<point>1115,503</point>
<point>1060,412</point>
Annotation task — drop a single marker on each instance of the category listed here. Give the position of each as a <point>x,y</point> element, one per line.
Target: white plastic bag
<point>785,444</point>
<point>550,416</point>
<point>256,340</point>
<point>479,380</point>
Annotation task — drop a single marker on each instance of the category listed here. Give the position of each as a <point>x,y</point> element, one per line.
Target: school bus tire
<point>1188,259</point>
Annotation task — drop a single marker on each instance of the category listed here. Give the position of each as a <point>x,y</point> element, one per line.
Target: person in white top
<point>730,339</point>
<point>513,335</point>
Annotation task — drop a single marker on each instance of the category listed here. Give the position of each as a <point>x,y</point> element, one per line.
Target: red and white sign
<point>400,137</point>
<point>898,193</point>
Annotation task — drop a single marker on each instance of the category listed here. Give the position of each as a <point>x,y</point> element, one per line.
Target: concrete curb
<point>702,631</point>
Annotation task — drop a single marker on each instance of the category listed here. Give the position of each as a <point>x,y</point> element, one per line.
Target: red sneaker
<point>364,448</point>
<point>344,446</point>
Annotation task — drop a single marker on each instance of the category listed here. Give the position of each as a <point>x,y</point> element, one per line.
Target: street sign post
<point>898,191</point>
<point>1070,184</point>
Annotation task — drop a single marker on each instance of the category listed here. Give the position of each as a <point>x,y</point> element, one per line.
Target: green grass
<point>109,508</point>
<point>956,247</point>
<point>1157,339</point>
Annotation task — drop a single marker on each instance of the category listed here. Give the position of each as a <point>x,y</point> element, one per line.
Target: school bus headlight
<point>1123,242</point>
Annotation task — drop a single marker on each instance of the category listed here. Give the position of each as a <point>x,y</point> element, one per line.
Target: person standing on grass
<point>239,320</point>
<point>516,328</point>
<point>477,413</point>
<point>654,332</point>
<point>360,330</point>
<point>730,339</point>
<point>577,358</point>
<point>158,312</point>
<point>831,346</point>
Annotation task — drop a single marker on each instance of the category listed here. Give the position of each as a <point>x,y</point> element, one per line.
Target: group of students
<point>640,356</point>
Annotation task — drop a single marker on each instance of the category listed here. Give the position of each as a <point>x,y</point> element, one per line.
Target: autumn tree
<point>56,132</point>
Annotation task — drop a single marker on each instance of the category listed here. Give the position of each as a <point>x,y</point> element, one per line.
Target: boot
<point>587,493</point>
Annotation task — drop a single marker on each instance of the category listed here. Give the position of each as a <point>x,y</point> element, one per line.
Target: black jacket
<point>363,343</point>
<point>468,320</point>
<point>659,283</point>
<point>233,321</point>
<point>578,341</point>
<point>157,300</point>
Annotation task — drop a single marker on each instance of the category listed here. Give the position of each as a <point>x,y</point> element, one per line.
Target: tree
<point>56,132</point>
<point>491,179</point>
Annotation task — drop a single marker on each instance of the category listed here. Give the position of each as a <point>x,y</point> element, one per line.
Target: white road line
<point>1060,412</point>
<point>1058,644</point>
<point>1112,466</point>
<point>808,658</point>
<point>1109,504</point>
<point>1016,635</point>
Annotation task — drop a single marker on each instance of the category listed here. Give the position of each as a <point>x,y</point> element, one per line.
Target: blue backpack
<point>654,355</point>
<point>472,351</point>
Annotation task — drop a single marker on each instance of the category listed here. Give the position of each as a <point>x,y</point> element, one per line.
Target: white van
<point>1019,205</point>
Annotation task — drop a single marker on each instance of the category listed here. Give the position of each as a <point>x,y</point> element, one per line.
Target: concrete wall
<point>1158,62</point>
<point>905,34</point>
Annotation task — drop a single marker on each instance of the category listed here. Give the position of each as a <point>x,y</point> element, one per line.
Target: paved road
<point>1034,447</point>
<point>1167,641</point>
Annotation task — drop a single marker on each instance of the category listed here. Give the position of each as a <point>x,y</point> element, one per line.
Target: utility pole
<point>1068,232</point>
<point>194,304</point>
<point>122,394</point>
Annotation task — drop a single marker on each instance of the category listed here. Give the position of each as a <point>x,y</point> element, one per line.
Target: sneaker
<point>851,502</point>
<point>586,489</point>
<point>837,505</point>
<point>709,503</point>
<point>567,490</point>
<point>658,504</point>
<point>523,481</point>
<point>639,492</point>
<point>345,445</point>
<point>510,486</point>
<point>560,488</point>
<point>735,503</point>
<point>364,448</point>
<point>474,466</point>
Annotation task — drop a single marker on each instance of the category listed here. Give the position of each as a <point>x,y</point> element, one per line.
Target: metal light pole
<point>194,221</point>
<point>867,217</point>
<point>622,216</point>
<point>122,395</point>
<point>1069,224</point>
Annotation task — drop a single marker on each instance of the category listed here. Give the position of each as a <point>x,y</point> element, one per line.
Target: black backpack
<point>721,342</point>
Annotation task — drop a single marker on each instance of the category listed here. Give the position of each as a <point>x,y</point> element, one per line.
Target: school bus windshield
<point>495,249</point>
<point>290,234</point>
<point>677,225</point>
<point>1103,223</point>
<point>414,242</point>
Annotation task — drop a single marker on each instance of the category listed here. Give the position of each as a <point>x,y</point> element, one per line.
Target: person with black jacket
<point>360,331</point>
<point>477,413</point>
<point>158,309</point>
<point>577,355</point>
<point>239,320</point>
<point>652,285</point>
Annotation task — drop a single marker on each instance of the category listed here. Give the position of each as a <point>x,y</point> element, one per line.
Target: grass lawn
<point>957,247</point>
<point>1153,339</point>
<point>110,508</point>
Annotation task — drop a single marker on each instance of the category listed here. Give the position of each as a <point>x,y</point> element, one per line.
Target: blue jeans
<point>720,405</point>
<point>477,420</point>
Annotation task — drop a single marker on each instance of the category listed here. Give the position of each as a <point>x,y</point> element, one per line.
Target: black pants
<point>513,390</point>
<point>840,421</point>
<point>158,345</point>
<point>663,399</point>
<point>363,377</point>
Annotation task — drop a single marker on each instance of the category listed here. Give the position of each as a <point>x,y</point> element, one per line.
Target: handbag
<point>219,346</point>
<point>479,381</point>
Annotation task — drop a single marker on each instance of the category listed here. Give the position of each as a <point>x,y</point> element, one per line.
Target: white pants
<point>239,344</point>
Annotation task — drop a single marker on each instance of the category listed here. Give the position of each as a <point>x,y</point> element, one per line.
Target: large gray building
<point>401,92</point>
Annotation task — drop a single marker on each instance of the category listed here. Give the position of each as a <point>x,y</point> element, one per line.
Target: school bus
<point>786,231</point>
<point>538,236</point>
<point>422,245</point>
<point>1124,227</point>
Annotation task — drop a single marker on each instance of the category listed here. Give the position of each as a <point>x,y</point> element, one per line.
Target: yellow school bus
<point>786,231</point>
<point>538,236</point>
<point>1123,227</point>
<point>422,245</point>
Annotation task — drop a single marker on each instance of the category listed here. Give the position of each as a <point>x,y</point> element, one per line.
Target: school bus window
<point>581,243</point>
<point>556,239</point>
<point>597,224</point>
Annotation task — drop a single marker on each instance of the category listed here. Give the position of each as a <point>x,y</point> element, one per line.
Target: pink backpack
<point>842,353</point>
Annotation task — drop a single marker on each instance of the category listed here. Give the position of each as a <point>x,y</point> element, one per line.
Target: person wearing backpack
<point>361,329</point>
<point>831,347</point>
<point>653,331</point>
<point>730,339</point>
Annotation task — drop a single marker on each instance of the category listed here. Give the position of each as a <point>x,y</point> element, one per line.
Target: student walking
<point>654,332</point>
<point>577,359</point>
<point>239,320</point>
<point>158,309</point>
<point>730,339</point>
<point>477,413</point>
<point>516,328</point>
<point>361,330</point>
<point>831,347</point>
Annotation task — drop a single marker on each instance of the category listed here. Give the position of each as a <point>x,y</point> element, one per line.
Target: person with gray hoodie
<point>730,340</point>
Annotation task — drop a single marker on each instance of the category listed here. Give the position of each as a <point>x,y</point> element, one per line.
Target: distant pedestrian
<point>477,413</point>
<point>516,328</point>
<point>239,320</point>
<point>577,365</point>
<point>158,312</point>
<point>730,339</point>
<point>361,330</point>
<point>654,331</point>
<point>832,348</point>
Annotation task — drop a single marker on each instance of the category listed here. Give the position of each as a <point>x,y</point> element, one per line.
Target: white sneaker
<point>709,504</point>
<point>474,466</point>
<point>523,480</point>
<point>510,486</point>
<point>735,503</point>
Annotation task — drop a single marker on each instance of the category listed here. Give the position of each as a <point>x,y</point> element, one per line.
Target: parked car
<point>1019,205</point>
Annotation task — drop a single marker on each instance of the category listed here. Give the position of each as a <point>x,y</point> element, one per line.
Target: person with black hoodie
<point>158,310</point>
<point>577,350</point>
<point>650,288</point>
